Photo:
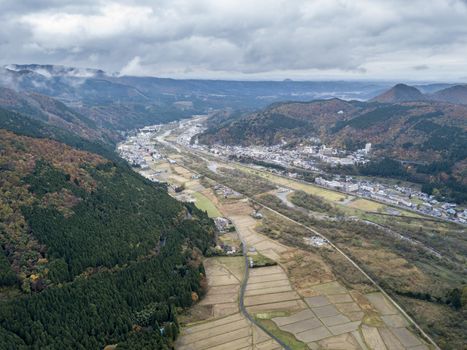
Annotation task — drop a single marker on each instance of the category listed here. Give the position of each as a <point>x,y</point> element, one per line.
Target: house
<point>221,223</point>
<point>350,187</point>
<point>257,215</point>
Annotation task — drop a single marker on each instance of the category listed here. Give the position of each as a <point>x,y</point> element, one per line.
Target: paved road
<point>242,296</point>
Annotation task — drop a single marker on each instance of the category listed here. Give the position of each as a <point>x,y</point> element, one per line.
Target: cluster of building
<point>225,191</point>
<point>316,241</point>
<point>136,148</point>
<point>396,195</point>
<point>223,225</point>
<point>336,157</point>
<point>346,186</point>
<point>305,157</point>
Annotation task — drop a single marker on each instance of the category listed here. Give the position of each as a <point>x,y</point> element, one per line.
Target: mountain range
<point>456,94</point>
<point>125,102</point>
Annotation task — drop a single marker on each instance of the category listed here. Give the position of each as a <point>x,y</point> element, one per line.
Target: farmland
<point>317,282</point>
<point>203,203</point>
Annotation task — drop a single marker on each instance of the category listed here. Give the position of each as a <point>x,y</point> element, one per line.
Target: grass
<point>230,239</point>
<point>365,204</point>
<point>372,319</point>
<point>259,260</point>
<point>296,185</point>
<point>271,314</point>
<point>205,204</point>
<point>288,338</point>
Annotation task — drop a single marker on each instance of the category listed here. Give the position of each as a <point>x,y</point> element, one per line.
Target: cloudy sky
<point>243,39</point>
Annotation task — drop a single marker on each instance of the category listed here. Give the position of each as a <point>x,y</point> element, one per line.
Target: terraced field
<point>229,333</point>
<point>338,319</point>
<point>268,289</point>
<point>323,315</point>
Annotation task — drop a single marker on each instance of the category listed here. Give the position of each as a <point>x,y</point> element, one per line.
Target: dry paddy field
<point>269,289</point>
<point>245,226</point>
<point>320,314</point>
<point>224,276</point>
<point>228,333</point>
<point>225,328</point>
<point>336,318</point>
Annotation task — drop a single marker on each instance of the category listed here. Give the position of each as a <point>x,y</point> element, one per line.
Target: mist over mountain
<point>107,97</point>
<point>453,94</point>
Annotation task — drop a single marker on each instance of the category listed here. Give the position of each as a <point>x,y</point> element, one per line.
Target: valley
<point>203,245</point>
<point>233,175</point>
<point>272,299</point>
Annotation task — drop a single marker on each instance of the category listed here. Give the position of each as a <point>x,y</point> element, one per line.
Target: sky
<point>415,40</point>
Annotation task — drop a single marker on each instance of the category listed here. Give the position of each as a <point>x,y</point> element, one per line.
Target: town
<point>142,145</point>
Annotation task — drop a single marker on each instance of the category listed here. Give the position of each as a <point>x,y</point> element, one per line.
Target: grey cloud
<point>421,67</point>
<point>227,38</point>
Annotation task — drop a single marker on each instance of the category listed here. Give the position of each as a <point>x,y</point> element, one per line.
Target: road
<point>242,296</point>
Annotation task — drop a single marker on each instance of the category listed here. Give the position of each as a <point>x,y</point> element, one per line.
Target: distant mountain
<point>432,88</point>
<point>50,70</point>
<point>454,94</point>
<point>451,93</point>
<point>400,93</point>
<point>125,102</point>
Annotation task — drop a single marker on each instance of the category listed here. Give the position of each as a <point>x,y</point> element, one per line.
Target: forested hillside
<point>22,125</point>
<point>52,112</point>
<point>91,253</point>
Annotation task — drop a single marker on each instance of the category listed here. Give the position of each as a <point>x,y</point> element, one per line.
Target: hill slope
<point>455,94</point>
<point>53,112</point>
<point>90,250</point>
<point>400,93</point>
<point>23,125</point>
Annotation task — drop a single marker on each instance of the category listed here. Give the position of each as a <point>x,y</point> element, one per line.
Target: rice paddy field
<point>300,300</point>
